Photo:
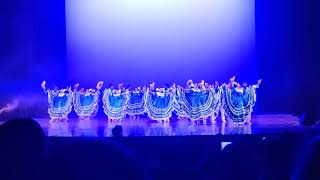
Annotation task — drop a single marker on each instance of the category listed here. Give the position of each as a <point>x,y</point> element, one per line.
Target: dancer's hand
<point>99,85</point>
<point>233,78</point>
<point>259,82</point>
<point>43,85</point>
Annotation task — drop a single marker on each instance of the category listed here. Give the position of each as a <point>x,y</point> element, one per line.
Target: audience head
<point>23,149</point>
<point>117,131</point>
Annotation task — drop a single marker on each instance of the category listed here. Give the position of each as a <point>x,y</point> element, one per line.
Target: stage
<point>261,124</point>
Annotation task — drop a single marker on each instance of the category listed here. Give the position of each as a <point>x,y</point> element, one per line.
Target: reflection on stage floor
<point>261,124</point>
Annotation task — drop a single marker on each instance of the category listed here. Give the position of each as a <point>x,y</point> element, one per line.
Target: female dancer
<point>238,102</point>
<point>177,102</point>
<point>136,102</point>
<point>250,97</point>
<point>86,102</point>
<point>217,95</point>
<point>232,102</point>
<point>115,102</point>
<point>60,102</point>
<point>159,103</point>
<point>197,101</point>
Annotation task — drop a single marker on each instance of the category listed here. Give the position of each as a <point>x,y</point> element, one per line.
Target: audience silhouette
<point>23,149</point>
<point>26,153</point>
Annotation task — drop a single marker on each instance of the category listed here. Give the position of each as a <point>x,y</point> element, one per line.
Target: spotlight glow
<point>138,41</point>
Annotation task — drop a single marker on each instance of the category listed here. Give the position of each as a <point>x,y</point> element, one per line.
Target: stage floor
<point>261,124</point>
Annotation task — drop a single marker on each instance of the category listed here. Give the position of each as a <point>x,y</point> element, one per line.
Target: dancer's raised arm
<point>174,86</point>
<point>231,82</point>
<point>258,83</point>
<point>69,89</point>
<point>233,78</point>
<point>43,86</point>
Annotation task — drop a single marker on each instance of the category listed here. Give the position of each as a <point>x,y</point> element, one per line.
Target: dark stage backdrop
<point>287,35</point>
<point>33,47</point>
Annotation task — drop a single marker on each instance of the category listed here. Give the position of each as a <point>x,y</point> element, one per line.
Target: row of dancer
<point>195,101</point>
